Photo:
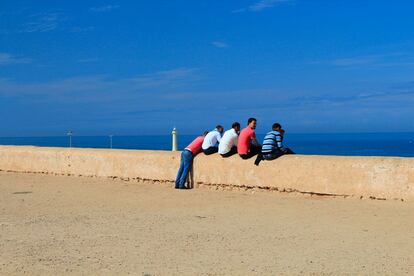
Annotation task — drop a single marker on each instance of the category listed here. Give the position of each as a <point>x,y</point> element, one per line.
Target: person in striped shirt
<point>272,147</point>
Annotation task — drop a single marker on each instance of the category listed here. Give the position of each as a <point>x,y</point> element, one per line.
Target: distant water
<point>354,144</point>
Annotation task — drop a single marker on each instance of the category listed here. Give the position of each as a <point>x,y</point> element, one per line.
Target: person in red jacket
<point>187,156</point>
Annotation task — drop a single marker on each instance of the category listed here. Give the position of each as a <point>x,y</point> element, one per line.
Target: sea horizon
<point>399,144</point>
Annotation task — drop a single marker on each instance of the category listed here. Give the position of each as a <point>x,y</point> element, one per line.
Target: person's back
<point>272,147</point>
<point>245,139</point>
<point>210,144</point>
<point>187,156</point>
<point>272,142</point>
<point>195,145</point>
<point>228,143</point>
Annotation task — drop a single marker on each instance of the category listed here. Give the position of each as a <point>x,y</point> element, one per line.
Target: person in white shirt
<point>228,143</point>
<point>212,140</point>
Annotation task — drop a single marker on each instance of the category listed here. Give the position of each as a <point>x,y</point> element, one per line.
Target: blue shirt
<point>272,142</point>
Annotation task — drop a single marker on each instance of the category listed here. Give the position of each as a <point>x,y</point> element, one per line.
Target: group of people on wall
<point>233,141</point>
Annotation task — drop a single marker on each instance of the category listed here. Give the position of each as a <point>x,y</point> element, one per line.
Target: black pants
<point>210,150</point>
<point>230,153</point>
<point>253,151</point>
<point>277,154</point>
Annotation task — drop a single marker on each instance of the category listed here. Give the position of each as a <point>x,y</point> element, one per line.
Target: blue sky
<point>142,67</point>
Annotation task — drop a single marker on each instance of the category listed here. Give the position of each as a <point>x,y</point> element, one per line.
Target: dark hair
<point>276,125</point>
<point>235,124</point>
<point>219,126</point>
<point>205,133</point>
<point>251,120</point>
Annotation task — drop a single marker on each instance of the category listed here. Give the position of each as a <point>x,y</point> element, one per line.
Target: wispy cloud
<point>261,5</point>
<point>385,97</point>
<point>220,44</point>
<point>354,61</point>
<point>265,4</point>
<point>101,88</point>
<point>81,29</point>
<point>169,77</point>
<point>88,60</point>
<point>377,61</point>
<point>105,8</point>
<point>43,22</point>
<point>8,59</point>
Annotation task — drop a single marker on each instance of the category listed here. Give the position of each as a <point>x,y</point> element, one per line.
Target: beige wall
<point>379,177</point>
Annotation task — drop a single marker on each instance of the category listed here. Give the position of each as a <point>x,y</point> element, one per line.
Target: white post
<point>110,140</point>
<point>70,133</point>
<point>174,139</point>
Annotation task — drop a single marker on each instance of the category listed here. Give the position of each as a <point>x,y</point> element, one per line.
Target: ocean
<point>347,144</point>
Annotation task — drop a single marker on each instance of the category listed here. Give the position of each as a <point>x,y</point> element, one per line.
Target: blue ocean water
<point>351,144</point>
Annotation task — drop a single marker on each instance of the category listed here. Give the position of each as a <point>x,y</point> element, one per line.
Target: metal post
<point>174,139</point>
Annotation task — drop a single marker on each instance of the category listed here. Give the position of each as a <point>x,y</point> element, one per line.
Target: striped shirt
<point>272,142</point>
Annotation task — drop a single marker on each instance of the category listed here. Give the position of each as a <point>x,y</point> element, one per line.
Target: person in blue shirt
<point>273,143</point>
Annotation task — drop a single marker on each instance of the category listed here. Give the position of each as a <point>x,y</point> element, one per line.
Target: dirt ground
<point>73,225</point>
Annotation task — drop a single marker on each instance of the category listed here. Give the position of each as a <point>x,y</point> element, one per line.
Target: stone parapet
<point>368,177</point>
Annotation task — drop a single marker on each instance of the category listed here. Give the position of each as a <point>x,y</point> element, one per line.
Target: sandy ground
<point>73,225</point>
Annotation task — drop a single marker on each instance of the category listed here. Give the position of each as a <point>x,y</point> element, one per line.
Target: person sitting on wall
<point>228,143</point>
<point>273,143</point>
<point>187,157</point>
<point>212,140</point>
<point>247,145</point>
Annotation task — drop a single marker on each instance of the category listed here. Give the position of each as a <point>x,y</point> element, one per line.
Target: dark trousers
<point>277,154</point>
<point>210,150</point>
<point>254,149</point>
<point>230,153</point>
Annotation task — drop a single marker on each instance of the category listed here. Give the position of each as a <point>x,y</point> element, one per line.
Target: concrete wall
<point>377,177</point>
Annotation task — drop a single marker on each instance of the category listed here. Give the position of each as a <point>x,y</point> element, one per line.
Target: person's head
<point>277,127</point>
<point>205,133</point>
<point>251,122</point>
<point>236,126</point>
<point>220,128</point>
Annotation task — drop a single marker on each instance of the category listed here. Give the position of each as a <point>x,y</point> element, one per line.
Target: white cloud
<point>261,5</point>
<point>373,61</point>
<point>88,60</point>
<point>44,22</point>
<point>160,78</point>
<point>81,29</point>
<point>265,4</point>
<point>99,88</point>
<point>220,44</point>
<point>105,8</point>
<point>7,59</point>
<point>363,60</point>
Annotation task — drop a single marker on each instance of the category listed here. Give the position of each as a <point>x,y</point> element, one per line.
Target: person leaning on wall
<point>187,157</point>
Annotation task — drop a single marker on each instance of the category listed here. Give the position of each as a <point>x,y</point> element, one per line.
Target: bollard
<point>174,139</point>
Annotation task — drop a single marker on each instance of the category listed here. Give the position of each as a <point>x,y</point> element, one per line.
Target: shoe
<point>184,188</point>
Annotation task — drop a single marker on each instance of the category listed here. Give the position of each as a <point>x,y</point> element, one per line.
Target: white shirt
<point>229,140</point>
<point>211,139</point>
